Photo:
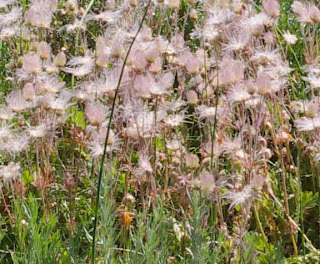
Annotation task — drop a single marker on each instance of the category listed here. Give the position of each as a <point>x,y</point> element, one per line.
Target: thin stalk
<point>256,215</point>
<point>286,206</point>
<point>107,137</point>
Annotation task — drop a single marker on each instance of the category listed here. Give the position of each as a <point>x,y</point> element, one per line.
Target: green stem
<point>107,137</point>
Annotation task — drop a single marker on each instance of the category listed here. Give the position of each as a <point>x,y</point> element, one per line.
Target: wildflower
<point>72,6</point>
<point>147,85</point>
<point>39,131</point>
<point>60,103</point>
<point>174,120</point>
<point>152,53</point>
<point>244,197</point>
<point>313,80</point>
<point>80,66</point>
<point>192,97</point>
<point>272,8</point>
<point>238,93</point>
<point>108,81</point>
<point>266,56</point>
<point>193,14</point>
<point>229,146</point>
<point>230,72</point>
<point>289,38</point>
<point>307,124</point>
<point>6,114</point>
<point>16,101</point>
<point>101,135</point>
<point>138,60</point>
<point>5,3</point>
<point>8,32</point>
<point>282,136</point>
<point>28,91</point>
<point>263,83</point>
<point>207,112</point>
<point>237,41</point>
<point>109,17</point>
<point>144,167</point>
<point>174,144</point>
<point>39,14</point>
<point>127,219</point>
<point>192,161</point>
<point>116,47</point>
<point>144,163</point>
<point>44,50</point>
<point>192,65</point>
<point>60,60</point>
<point>77,25</point>
<point>96,149</point>
<point>255,24</point>
<point>52,84</point>
<point>17,143</point>
<point>96,113</point>
<point>10,172</point>
<point>306,12</point>
<point>11,17</point>
<point>142,124</point>
<point>207,182</point>
<point>5,132</point>
<point>311,110</point>
<point>269,37</point>
<point>145,34</point>
<point>31,63</point>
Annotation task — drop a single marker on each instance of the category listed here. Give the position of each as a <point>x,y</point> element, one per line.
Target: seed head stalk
<point>107,138</point>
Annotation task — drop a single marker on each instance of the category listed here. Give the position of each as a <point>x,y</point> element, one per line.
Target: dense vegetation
<point>163,131</point>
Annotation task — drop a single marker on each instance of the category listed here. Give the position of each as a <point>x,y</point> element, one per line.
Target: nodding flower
<point>307,13</point>
<point>7,19</point>
<point>272,8</point>
<point>10,172</point>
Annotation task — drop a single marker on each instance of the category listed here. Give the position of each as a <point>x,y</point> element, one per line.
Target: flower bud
<point>193,66</point>
<point>193,14</point>
<point>192,161</point>
<point>60,60</point>
<point>44,50</point>
<point>311,110</point>
<point>28,91</point>
<point>133,3</point>
<point>192,97</point>
<point>173,4</point>
<point>102,61</point>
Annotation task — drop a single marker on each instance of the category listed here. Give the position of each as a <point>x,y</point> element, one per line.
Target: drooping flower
<point>11,17</point>
<point>96,113</point>
<point>10,172</point>
<point>307,124</point>
<point>80,66</point>
<point>306,12</point>
<point>32,63</point>
<point>272,8</point>
<point>40,13</point>
<point>16,101</point>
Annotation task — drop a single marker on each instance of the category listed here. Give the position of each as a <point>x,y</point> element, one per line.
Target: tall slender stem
<point>107,137</point>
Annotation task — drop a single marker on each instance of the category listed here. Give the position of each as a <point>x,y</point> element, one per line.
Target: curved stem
<point>107,137</point>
